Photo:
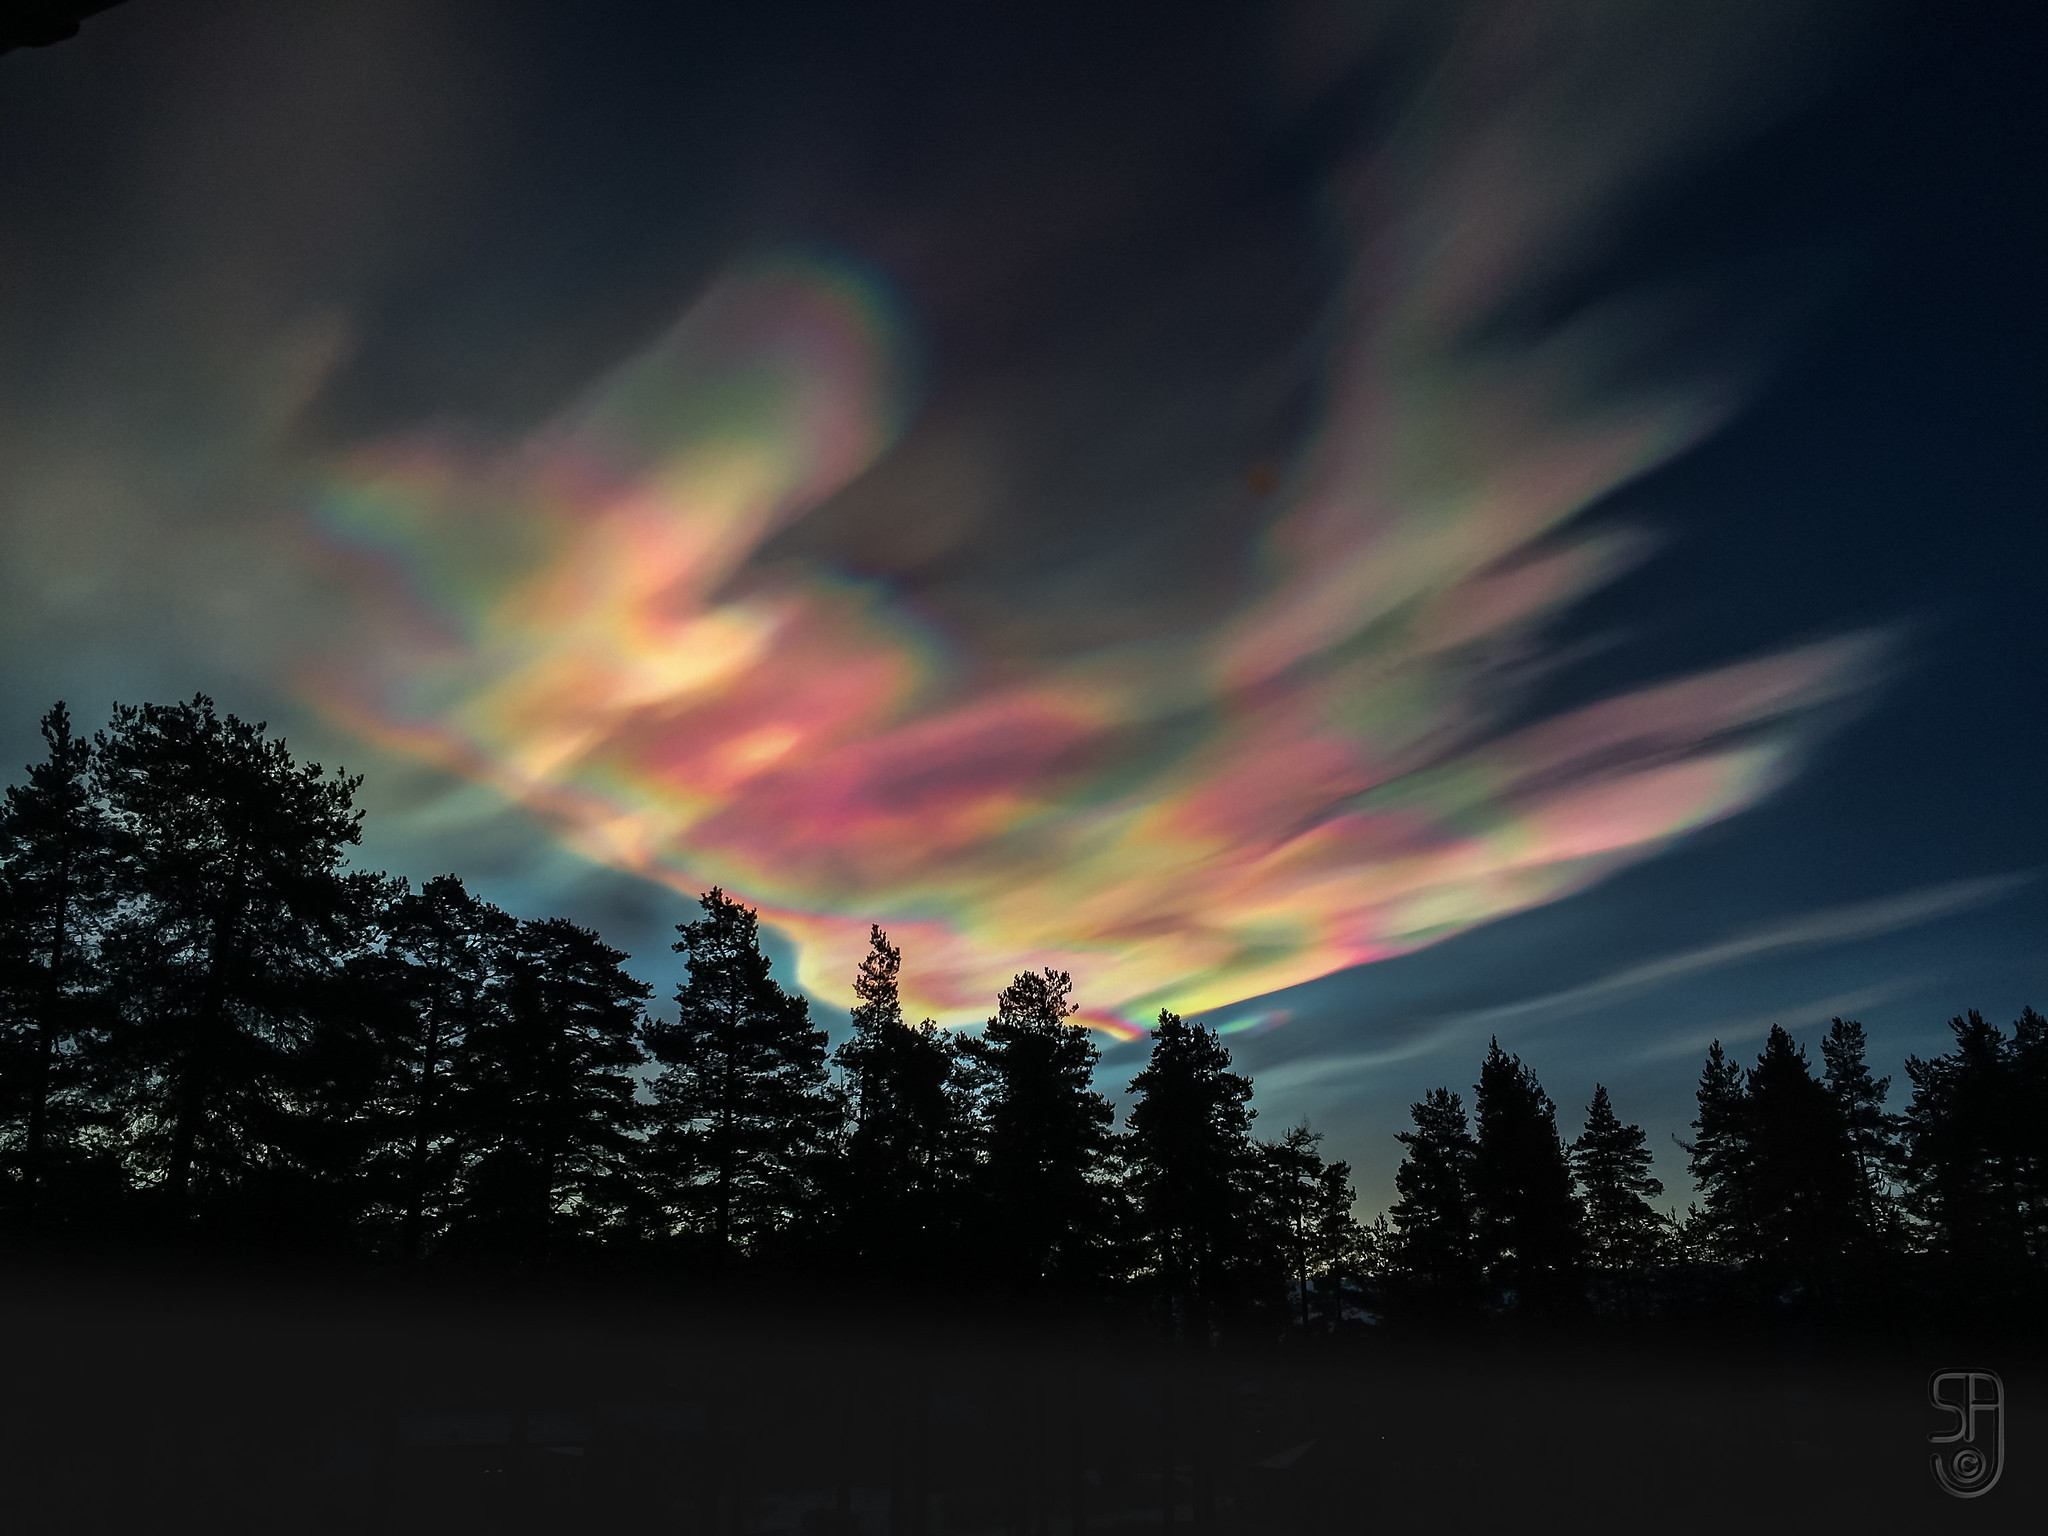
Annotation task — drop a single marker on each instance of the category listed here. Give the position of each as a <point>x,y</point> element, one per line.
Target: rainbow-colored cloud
<point>1327,776</point>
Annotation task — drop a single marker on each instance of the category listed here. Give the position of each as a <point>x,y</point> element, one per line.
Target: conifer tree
<point>907,1144</point>
<point>55,891</point>
<point>443,970</point>
<point>1314,1229</point>
<point>548,1099</point>
<point>1872,1133</point>
<point>1045,1138</point>
<point>743,1113</point>
<point>1611,1163</point>
<point>1801,1169</point>
<point>1527,1223</point>
<point>1338,1245</point>
<point>1192,1170</point>
<point>1293,1172</point>
<point>1968,1124</point>
<point>1718,1155</point>
<point>2027,1055</point>
<point>1436,1255</point>
<point>235,910</point>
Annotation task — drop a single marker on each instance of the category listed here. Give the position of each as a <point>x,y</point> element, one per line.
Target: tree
<point>1340,1250</point>
<point>55,892</point>
<point>1872,1133</point>
<point>1527,1223</point>
<point>439,977</point>
<point>742,1108</point>
<point>1293,1168</point>
<point>1611,1163</point>
<point>1801,1170</point>
<point>1192,1168</point>
<point>545,1085</point>
<point>1436,1258</point>
<point>2028,1055</point>
<point>1718,1157</point>
<point>1974,1115</point>
<point>235,910</point>
<point>907,1143</point>
<point>1045,1137</point>
<point>1319,1238</point>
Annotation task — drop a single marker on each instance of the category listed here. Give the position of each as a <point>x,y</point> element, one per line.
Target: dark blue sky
<point>239,247</point>
<point>1892,470</point>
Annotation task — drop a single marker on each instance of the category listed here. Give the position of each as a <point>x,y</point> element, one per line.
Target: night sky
<point>1382,526</point>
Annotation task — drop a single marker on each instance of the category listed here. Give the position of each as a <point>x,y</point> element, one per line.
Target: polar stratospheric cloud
<point>1339,766</point>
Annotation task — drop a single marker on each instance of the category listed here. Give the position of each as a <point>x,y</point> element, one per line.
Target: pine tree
<point>1611,1163</point>
<point>1045,1138</point>
<point>1966,1126</point>
<point>545,1083</point>
<point>1313,1226</point>
<point>1802,1173</point>
<point>1338,1245</point>
<point>907,1145</point>
<point>443,969</point>
<point>1192,1169</point>
<point>1872,1133</point>
<point>1436,1256</point>
<point>743,1113</point>
<point>55,893</point>
<point>1293,1173</point>
<point>2028,1058</point>
<point>235,911</point>
<point>1527,1224</point>
<point>1719,1158</point>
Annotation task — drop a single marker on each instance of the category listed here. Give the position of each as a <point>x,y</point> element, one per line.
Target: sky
<point>1379,526</point>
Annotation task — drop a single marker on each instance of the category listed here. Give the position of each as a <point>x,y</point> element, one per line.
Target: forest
<point>217,1037</point>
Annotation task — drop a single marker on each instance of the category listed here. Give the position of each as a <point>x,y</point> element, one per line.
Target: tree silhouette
<point>235,910</point>
<point>544,1080</point>
<point>1801,1167</point>
<point>1192,1171</point>
<point>1317,1237</point>
<point>1527,1223</point>
<point>1340,1250</point>
<point>1436,1252</point>
<point>443,968</point>
<point>2028,1057</point>
<point>1974,1179</point>
<point>1873,1134</point>
<point>1611,1162</point>
<point>907,1145</point>
<point>55,891</point>
<point>1718,1154</point>
<point>742,1107</point>
<point>1045,1137</point>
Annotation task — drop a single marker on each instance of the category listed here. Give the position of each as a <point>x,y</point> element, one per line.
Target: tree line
<point>1810,1192</point>
<point>213,1031</point>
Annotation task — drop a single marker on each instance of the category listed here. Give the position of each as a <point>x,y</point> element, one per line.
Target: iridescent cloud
<point>1337,771</point>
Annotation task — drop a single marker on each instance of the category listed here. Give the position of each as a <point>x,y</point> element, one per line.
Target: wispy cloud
<point>1811,930</point>
<point>1754,1026</point>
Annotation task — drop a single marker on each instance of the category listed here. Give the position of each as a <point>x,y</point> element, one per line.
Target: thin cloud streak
<point>1812,930</point>
<point>1793,1017</point>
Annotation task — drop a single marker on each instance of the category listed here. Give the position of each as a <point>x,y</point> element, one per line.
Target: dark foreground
<point>221,1407</point>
